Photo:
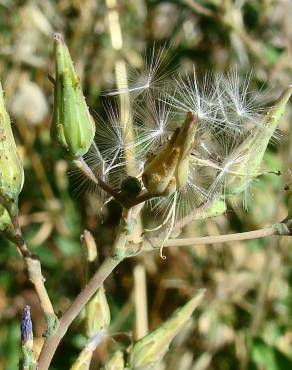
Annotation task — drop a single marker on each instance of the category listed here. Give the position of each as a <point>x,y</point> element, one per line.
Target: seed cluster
<point>231,135</point>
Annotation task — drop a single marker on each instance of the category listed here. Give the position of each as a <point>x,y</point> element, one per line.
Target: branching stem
<point>116,194</point>
<point>86,170</point>
<point>110,263</point>
<point>256,234</point>
<point>83,297</point>
<point>80,301</point>
<point>37,279</point>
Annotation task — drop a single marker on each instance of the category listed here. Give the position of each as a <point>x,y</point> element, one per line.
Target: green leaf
<point>268,357</point>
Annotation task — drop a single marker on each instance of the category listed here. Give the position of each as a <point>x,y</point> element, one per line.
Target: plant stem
<point>80,301</point>
<point>82,165</point>
<point>35,276</point>
<point>151,244</point>
<point>199,9</point>
<point>121,198</point>
<point>123,249</point>
<point>256,234</point>
<point>84,296</point>
<point>34,270</point>
<point>141,305</point>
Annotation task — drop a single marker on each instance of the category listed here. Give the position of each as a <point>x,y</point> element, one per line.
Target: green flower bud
<point>72,126</point>
<point>97,313</point>
<point>149,351</point>
<point>253,148</point>
<point>11,170</point>
<point>116,362</point>
<point>168,170</point>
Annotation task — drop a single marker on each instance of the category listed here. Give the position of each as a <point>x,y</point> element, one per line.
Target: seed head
<point>185,166</point>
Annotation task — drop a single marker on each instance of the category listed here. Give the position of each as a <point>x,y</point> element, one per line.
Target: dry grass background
<point>245,319</point>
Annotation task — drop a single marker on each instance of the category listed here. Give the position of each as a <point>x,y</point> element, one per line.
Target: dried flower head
<point>186,167</point>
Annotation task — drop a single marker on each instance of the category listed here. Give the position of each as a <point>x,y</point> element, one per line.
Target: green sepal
<point>253,148</point>
<point>149,351</point>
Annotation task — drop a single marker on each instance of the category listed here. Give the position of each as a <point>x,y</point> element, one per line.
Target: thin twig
<point>33,265</point>
<point>121,198</point>
<point>151,244</point>
<point>86,170</point>
<point>80,301</point>
<point>141,198</point>
<point>141,304</point>
<point>198,8</point>
<point>222,238</point>
<point>35,276</point>
<point>84,296</point>
<point>34,270</point>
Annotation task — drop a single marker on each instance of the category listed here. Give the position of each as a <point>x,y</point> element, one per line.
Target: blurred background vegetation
<point>245,320</point>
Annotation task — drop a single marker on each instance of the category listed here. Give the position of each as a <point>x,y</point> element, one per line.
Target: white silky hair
<point>227,112</point>
<point>153,74</point>
<point>154,122</point>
